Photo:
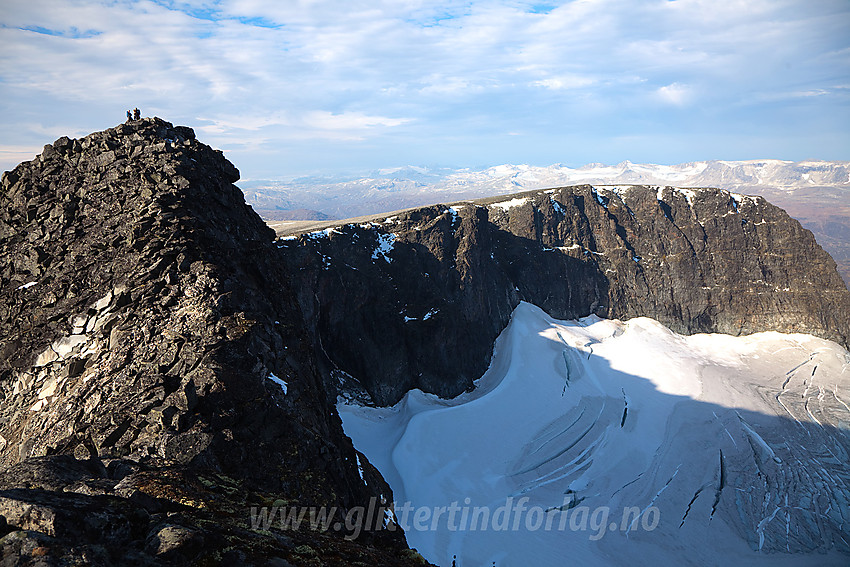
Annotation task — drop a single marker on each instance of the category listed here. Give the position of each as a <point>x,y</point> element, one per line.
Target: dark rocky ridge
<point>424,312</point>
<point>141,311</point>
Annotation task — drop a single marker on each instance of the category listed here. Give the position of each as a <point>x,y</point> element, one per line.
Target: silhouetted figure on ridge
<point>137,114</point>
<point>129,116</point>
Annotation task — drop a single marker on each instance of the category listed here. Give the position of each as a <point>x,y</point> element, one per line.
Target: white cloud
<point>564,82</point>
<point>309,124</point>
<point>223,123</point>
<point>350,121</point>
<point>363,69</point>
<point>675,93</point>
<point>13,155</point>
<point>442,85</point>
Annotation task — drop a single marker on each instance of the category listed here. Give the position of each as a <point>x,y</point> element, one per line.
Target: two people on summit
<point>135,115</point>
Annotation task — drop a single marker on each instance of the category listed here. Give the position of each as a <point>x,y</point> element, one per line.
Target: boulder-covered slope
<point>417,299</point>
<point>155,378</point>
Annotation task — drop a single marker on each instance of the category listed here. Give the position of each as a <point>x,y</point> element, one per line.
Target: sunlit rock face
<point>633,444</point>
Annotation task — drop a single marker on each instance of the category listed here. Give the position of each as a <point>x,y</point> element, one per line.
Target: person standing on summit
<point>137,115</point>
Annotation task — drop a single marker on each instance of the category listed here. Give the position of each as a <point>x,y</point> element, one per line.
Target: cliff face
<point>153,367</point>
<point>165,363</point>
<point>416,300</point>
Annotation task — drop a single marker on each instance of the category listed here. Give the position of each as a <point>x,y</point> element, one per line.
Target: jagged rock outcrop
<point>154,371</point>
<point>416,300</point>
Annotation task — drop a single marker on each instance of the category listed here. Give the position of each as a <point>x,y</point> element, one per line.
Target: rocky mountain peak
<point>153,366</point>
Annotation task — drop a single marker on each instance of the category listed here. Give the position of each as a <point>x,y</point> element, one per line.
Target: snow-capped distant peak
<point>398,188</point>
<point>403,169</point>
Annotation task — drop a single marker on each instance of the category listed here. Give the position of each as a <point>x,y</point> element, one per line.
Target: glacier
<point>601,442</point>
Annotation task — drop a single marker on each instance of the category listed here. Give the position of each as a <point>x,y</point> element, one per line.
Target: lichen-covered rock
<point>142,312</point>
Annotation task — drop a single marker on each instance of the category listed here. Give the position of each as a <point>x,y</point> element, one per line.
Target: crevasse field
<point>600,442</point>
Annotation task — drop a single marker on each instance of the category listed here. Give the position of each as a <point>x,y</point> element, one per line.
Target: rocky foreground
<point>142,314</point>
<point>166,364</point>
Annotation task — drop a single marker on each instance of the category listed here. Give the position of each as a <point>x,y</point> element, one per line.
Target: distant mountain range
<point>817,193</point>
<point>409,186</point>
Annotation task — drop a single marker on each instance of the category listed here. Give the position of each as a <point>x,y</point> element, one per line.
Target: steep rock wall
<point>416,300</point>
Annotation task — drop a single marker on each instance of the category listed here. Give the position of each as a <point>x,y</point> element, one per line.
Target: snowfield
<point>599,442</point>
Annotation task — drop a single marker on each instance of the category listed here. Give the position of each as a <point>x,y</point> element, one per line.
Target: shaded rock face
<point>142,312</point>
<point>416,300</point>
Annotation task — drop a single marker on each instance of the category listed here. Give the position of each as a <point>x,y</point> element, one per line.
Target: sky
<point>313,87</point>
